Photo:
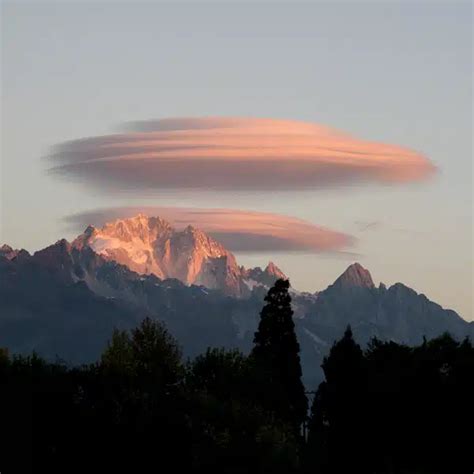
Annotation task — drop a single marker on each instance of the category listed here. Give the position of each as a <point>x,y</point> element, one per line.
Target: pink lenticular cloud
<point>234,154</point>
<point>237,230</point>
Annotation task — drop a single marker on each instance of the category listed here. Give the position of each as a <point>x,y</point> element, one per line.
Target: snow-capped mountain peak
<point>150,245</point>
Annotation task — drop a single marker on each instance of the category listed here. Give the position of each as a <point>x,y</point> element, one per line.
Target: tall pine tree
<point>338,421</point>
<point>276,355</point>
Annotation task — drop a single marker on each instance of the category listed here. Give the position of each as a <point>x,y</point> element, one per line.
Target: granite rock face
<point>150,245</point>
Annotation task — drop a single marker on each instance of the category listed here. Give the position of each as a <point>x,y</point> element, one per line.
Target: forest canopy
<point>384,408</point>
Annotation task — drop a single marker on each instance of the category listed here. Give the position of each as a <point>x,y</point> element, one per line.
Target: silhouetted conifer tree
<point>276,355</point>
<point>338,410</point>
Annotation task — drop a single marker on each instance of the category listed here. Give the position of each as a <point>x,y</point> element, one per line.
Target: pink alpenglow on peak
<point>218,153</point>
<point>273,270</point>
<point>238,230</point>
<point>355,276</point>
<point>150,245</point>
<point>9,253</point>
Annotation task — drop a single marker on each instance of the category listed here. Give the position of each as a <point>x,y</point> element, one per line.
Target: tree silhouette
<point>276,355</point>
<point>390,409</point>
<point>118,356</point>
<point>140,396</point>
<point>156,354</point>
<point>149,353</point>
<point>338,410</point>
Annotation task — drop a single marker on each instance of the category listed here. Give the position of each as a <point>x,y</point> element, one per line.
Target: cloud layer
<point>237,230</point>
<point>233,154</point>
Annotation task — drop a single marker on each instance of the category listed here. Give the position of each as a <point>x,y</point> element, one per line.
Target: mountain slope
<point>9,253</point>
<point>65,302</point>
<point>150,245</point>
<point>398,313</point>
<point>66,299</point>
<point>42,310</point>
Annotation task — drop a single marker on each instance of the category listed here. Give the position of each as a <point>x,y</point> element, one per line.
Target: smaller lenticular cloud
<point>237,230</point>
<point>233,154</point>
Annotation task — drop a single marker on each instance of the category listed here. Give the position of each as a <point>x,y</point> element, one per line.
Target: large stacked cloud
<point>233,154</point>
<point>237,230</point>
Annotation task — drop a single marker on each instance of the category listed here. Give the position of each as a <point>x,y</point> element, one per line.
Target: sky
<point>390,74</point>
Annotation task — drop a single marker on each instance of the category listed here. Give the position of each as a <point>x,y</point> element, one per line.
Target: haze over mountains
<point>131,268</point>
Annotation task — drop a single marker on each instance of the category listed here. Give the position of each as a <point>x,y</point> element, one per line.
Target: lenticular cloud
<point>237,230</point>
<point>233,154</point>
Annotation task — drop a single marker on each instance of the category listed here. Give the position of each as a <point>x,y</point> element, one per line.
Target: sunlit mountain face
<point>238,230</point>
<point>150,245</point>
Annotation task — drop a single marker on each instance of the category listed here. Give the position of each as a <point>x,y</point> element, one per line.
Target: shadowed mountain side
<point>65,301</point>
<point>397,313</point>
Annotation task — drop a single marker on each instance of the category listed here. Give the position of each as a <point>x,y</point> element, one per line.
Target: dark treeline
<point>386,409</point>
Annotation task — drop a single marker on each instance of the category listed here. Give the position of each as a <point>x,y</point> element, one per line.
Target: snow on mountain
<point>150,245</point>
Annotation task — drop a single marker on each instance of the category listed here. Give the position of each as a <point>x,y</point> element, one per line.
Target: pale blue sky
<point>394,72</point>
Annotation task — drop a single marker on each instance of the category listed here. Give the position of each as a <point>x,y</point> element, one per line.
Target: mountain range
<point>64,301</point>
